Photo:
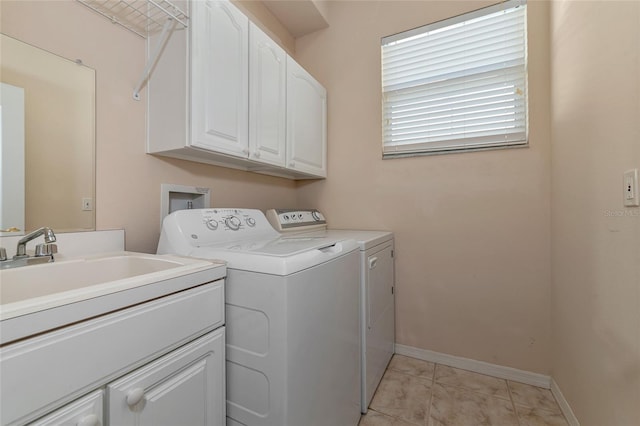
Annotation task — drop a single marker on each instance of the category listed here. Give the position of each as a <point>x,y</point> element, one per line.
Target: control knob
<point>233,223</point>
<point>250,221</point>
<point>212,224</point>
<point>315,215</point>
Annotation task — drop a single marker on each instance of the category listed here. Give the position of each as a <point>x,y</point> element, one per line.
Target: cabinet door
<point>86,411</point>
<point>185,387</point>
<point>306,122</point>
<point>267,98</point>
<point>220,81</point>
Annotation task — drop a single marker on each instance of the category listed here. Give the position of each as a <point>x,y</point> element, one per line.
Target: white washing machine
<point>377,300</point>
<point>292,320</point>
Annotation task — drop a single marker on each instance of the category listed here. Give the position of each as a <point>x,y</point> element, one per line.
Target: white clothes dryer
<point>377,298</point>
<point>292,337</point>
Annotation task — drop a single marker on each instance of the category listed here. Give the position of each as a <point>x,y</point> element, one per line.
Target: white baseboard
<point>564,405</point>
<point>508,373</point>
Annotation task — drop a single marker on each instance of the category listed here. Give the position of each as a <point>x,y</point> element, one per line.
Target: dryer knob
<point>251,222</point>
<point>233,223</point>
<point>212,224</point>
<point>315,215</point>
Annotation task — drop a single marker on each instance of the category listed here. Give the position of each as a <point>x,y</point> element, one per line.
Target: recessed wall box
<point>631,198</point>
<point>181,197</point>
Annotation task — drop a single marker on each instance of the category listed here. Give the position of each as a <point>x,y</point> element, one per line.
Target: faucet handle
<point>3,254</point>
<point>46,249</point>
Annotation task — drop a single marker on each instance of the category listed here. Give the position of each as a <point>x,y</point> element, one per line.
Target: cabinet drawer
<point>86,411</point>
<point>45,372</point>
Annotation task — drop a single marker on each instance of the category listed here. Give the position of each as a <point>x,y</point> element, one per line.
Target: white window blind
<point>457,84</point>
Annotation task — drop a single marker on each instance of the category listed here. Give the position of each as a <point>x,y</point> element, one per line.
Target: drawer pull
<point>134,397</point>
<point>90,420</point>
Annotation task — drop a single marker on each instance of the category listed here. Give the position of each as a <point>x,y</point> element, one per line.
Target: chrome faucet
<point>46,249</point>
<point>43,253</point>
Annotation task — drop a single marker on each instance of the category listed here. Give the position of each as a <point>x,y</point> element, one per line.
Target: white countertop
<point>107,291</point>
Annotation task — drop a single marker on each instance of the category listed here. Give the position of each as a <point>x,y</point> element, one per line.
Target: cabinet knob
<point>292,163</point>
<point>90,420</point>
<point>134,397</point>
<point>256,154</point>
<point>245,151</point>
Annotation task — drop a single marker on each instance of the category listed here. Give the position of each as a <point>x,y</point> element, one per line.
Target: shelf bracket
<point>167,30</point>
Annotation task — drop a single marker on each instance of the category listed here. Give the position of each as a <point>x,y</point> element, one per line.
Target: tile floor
<point>415,392</point>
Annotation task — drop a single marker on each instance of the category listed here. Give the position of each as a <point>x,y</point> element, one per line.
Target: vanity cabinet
<point>162,359</point>
<point>224,93</point>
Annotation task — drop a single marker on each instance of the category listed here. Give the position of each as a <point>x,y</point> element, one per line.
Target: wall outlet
<point>630,196</point>
<point>87,204</point>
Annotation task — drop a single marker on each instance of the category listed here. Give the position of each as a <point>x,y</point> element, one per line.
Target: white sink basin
<point>48,295</point>
<point>48,278</point>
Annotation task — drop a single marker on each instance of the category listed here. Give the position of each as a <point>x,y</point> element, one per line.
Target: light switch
<point>630,197</point>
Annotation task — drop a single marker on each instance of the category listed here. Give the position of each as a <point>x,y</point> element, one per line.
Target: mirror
<point>47,142</point>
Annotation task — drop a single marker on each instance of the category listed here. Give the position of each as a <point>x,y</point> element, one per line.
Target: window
<point>458,84</point>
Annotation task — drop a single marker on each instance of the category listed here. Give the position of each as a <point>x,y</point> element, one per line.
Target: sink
<point>49,295</point>
<point>57,277</point>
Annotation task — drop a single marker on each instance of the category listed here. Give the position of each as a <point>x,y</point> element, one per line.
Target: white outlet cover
<point>630,188</point>
<point>87,204</point>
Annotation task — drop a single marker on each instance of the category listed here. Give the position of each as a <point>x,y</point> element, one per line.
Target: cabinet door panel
<point>267,98</point>
<point>220,50</point>
<point>185,387</point>
<point>306,121</point>
<point>86,411</point>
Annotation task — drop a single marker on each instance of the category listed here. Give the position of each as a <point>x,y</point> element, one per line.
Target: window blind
<point>457,84</point>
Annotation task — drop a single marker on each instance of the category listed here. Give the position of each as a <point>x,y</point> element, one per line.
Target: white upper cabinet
<point>267,99</point>
<point>220,85</point>
<point>306,121</point>
<point>224,93</point>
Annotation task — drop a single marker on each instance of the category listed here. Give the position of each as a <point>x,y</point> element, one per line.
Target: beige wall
<point>128,180</point>
<point>596,241</point>
<point>258,13</point>
<point>59,135</point>
<point>472,230</point>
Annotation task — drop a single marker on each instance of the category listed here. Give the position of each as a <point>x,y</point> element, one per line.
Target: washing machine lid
<point>365,239</point>
<point>280,256</point>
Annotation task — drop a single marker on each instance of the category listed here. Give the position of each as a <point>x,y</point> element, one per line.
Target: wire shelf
<point>142,17</point>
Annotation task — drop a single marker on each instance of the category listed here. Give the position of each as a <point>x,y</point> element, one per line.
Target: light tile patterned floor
<point>419,393</point>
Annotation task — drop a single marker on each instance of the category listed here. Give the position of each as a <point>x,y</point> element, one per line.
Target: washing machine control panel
<point>296,219</point>
<point>231,219</point>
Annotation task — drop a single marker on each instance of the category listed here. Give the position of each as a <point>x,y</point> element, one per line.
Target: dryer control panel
<point>284,220</point>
